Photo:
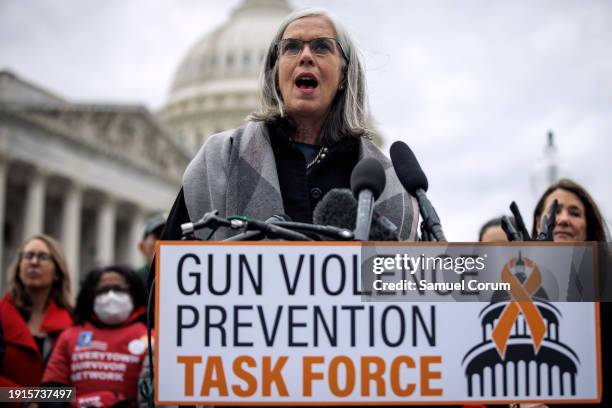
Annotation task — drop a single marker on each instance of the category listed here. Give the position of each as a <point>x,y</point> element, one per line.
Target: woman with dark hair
<point>308,134</point>
<point>36,308</point>
<point>578,217</point>
<point>102,356</point>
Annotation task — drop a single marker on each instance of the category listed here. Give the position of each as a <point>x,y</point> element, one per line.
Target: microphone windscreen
<point>407,167</point>
<point>337,208</point>
<point>368,174</point>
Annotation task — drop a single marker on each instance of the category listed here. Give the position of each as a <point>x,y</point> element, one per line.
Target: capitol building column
<point>105,239</point>
<point>136,230</point>
<point>71,230</point>
<point>35,204</point>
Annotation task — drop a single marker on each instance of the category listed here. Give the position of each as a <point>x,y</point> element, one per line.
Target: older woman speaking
<point>309,133</point>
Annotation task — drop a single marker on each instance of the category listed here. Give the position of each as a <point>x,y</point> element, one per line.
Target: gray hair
<point>348,115</point>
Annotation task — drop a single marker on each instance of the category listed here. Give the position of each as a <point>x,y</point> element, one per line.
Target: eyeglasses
<point>41,256</point>
<point>321,46</point>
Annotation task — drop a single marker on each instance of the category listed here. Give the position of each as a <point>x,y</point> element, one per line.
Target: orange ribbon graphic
<point>522,303</point>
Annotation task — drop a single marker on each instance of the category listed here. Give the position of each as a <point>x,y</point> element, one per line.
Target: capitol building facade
<point>215,86</point>
<point>91,174</point>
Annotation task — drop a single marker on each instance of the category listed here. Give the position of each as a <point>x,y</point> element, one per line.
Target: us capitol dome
<point>215,86</point>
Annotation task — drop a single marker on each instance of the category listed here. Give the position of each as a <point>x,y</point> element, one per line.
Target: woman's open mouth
<point>306,82</point>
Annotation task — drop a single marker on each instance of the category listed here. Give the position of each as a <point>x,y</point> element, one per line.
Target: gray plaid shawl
<point>235,173</point>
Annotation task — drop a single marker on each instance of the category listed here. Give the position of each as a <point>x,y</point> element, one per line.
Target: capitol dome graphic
<point>523,356</point>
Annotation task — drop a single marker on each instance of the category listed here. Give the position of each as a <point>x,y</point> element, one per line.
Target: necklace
<point>320,156</point>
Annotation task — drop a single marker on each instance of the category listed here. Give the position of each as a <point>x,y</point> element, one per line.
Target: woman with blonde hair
<point>34,311</point>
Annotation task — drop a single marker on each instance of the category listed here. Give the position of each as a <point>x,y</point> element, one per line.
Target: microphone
<point>338,208</point>
<point>511,232</point>
<point>520,224</point>
<point>367,183</point>
<point>413,179</point>
<point>547,225</point>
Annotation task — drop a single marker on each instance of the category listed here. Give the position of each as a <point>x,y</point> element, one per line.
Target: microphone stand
<point>430,216</point>
<point>209,220</point>
<point>339,234</point>
<point>425,234</point>
<point>255,229</point>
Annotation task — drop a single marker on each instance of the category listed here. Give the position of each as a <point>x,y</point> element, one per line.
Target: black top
<point>309,151</point>
<point>40,343</point>
<point>301,187</point>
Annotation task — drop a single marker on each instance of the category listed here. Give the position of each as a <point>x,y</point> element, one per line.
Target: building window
<point>229,61</point>
<point>246,59</point>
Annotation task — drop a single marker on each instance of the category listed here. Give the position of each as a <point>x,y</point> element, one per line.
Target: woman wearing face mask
<point>34,311</point>
<point>102,356</point>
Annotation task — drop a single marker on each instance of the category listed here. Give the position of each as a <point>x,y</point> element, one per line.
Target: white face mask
<point>112,307</point>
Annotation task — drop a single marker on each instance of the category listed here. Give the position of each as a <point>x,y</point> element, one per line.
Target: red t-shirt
<point>99,360</point>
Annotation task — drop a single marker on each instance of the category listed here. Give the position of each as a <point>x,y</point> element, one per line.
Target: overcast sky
<point>472,86</point>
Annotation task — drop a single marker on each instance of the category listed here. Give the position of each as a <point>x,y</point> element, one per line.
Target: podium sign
<point>276,323</point>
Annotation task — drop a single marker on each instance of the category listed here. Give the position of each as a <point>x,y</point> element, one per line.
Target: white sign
<point>282,323</point>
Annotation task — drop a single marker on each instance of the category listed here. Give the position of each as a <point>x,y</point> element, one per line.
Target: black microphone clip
<point>210,220</point>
